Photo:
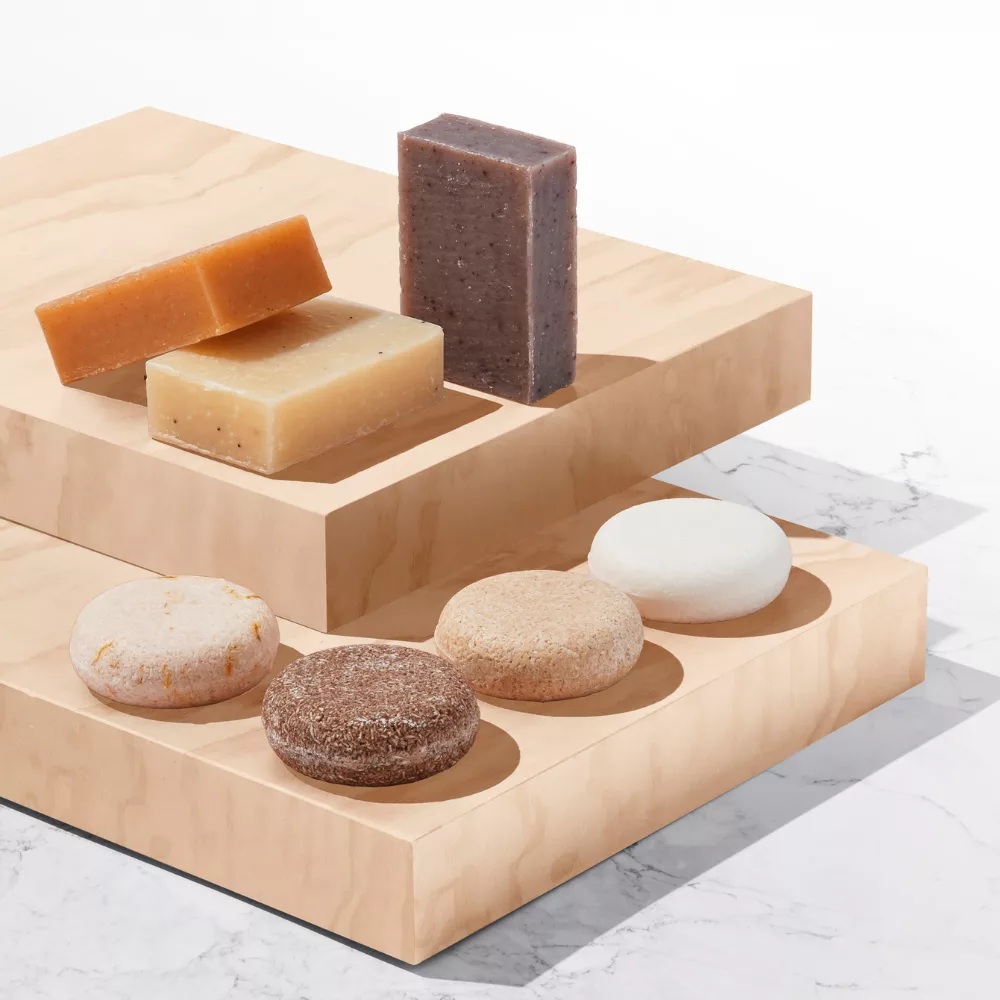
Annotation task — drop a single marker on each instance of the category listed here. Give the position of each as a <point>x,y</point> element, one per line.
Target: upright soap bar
<point>293,386</point>
<point>487,229</point>
<point>184,300</point>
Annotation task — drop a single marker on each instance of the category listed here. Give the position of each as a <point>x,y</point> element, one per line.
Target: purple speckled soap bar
<point>487,229</point>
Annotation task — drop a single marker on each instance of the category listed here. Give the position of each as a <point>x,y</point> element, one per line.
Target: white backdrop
<point>850,148</point>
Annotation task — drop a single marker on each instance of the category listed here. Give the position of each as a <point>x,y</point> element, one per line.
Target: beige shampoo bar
<point>294,385</point>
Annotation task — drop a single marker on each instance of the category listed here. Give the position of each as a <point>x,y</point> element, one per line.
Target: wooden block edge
<point>908,671</point>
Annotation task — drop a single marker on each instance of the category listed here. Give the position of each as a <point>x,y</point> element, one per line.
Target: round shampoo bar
<point>174,642</point>
<point>693,560</point>
<point>375,714</point>
<point>540,635</point>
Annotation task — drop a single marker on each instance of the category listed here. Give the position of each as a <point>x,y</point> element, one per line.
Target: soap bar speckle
<point>487,224</point>
<point>373,714</point>
<point>295,385</point>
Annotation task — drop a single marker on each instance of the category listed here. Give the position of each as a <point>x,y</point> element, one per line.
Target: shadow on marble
<point>518,948</point>
<point>894,515</point>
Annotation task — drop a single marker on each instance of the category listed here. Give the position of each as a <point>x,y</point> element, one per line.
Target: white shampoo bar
<point>295,385</point>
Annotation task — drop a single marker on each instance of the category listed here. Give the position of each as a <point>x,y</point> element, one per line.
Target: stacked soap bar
<point>183,300</point>
<point>233,371</point>
<point>487,228</point>
<point>295,385</point>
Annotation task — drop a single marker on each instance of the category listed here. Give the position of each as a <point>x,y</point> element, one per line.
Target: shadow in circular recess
<point>805,598</point>
<point>243,706</point>
<point>656,676</point>
<point>493,757</point>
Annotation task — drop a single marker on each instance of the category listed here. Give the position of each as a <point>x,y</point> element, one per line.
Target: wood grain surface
<point>548,789</point>
<point>675,356</point>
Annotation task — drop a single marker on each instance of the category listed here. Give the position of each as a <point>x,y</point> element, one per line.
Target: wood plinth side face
<point>674,356</point>
<point>597,802</point>
<point>477,502</point>
<point>547,790</point>
<point>190,814</point>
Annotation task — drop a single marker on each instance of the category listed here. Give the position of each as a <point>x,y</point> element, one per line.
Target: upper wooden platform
<point>675,356</point>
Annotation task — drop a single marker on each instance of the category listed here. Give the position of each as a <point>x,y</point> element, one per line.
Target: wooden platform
<point>675,356</point>
<point>547,790</point>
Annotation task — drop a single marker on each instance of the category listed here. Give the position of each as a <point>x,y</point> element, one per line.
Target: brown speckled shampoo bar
<point>375,714</point>
<point>487,229</point>
<point>174,642</point>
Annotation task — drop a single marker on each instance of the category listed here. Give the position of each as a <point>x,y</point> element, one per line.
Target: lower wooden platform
<point>547,790</point>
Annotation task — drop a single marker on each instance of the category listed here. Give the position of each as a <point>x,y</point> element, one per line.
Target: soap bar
<point>294,385</point>
<point>487,228</point>
<point>184,300</point>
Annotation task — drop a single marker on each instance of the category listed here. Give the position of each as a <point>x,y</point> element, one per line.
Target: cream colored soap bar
<point>294,385</point>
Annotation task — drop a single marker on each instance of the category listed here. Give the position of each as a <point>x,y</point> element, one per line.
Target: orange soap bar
<point>211,291</point>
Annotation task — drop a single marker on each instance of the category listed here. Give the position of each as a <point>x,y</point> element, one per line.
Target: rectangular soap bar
<point>184,300</point>
<point>292,386</point>
<point>487,230</point>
